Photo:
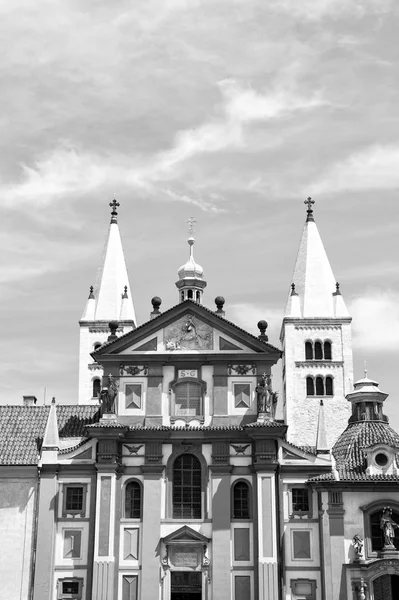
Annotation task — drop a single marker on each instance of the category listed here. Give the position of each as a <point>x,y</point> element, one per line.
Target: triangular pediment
<point>185,535</point>
<point>188,328</point>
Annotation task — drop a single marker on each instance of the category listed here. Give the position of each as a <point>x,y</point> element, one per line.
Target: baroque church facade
<point>173,478</point>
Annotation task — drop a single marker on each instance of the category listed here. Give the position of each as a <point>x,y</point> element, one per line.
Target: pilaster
<point>221,537</point>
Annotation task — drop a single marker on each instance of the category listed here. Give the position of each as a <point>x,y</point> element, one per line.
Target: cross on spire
<point>191,226</point>
<point>309,203</point>
<point>114,213</point>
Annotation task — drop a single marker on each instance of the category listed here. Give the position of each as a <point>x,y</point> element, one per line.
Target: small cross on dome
<point>191,226</point>
<point>309,203</point>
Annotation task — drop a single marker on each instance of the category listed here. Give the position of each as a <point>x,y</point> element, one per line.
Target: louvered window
<point>187,487</point>
<point>188,399</point>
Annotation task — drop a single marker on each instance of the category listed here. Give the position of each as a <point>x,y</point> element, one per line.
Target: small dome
<point>191,269</point>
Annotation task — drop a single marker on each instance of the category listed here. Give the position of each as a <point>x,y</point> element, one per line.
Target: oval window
<point>381,459</point>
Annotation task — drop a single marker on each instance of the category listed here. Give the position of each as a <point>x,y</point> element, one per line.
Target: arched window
<point>319,386</point>
<point>182,296</point>
<point>241,500</point>
<point>318,351</point>
<point>309,386</point>
<point>190,294</point>
<point>133,500</point>
<point>329,386</point>
<point>96,387</point>
<point>327,350</point>
<point>186,495</point>
<point>198,295</point>
<point>308,351</point>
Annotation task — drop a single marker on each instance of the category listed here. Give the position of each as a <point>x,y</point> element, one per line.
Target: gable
<point>188,328</point>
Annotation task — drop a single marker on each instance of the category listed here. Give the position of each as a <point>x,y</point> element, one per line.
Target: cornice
<point>306,321</point>
<point>333,364</point>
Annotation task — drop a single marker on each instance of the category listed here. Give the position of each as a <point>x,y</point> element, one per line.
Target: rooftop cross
<point>114,213</point>
<point>191,224</point>
<point>309,202</point>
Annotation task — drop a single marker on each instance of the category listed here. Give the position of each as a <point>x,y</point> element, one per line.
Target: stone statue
<point>266,398</point>
<point>358,546</point>
<point>107,396</point>
<point>388,526</point>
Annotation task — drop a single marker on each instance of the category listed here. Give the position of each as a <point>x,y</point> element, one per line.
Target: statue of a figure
<point>358,546</point>
<point>107,396</point>
<point>388,526</point>
<point>266,398</point>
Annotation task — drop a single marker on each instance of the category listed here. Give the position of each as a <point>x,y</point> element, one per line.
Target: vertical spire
<point>314,279</point>
<point>51,440</point>
<point>191,282</point>
<point>111,291</point>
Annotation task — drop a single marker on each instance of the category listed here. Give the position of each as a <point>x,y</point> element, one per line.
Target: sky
<point>230,111</point>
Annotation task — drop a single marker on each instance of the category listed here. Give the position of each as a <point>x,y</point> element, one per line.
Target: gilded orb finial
<point>114,213</point>
<point>309,203</point>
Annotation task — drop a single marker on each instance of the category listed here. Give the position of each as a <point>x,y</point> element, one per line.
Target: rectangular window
<point>300,500</point>
<point>303,589</point>
<point>188,399</point>
<point>242,395</point>
<point>74,500</point>
<point>242,587</point>
<point>69,589</point>
<point>301,544</point>
<point>133,395</point>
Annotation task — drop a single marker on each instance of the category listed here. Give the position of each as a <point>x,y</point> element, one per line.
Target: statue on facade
<point>266,398</point>
<point>107,396</point>
<point>388,526</point>
<point>358,546</point>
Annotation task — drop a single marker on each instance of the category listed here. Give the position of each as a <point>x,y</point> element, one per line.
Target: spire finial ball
<point>156,302</point>
<point>219,301</point>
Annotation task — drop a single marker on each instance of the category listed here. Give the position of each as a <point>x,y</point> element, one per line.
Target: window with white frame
<point>74,499</point>
<point>301,547</point>
<point>69,588</point>
<point>299,501</point>
<point>303,589</point>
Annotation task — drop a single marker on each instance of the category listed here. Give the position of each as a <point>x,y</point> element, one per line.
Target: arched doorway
<point>386,587</point>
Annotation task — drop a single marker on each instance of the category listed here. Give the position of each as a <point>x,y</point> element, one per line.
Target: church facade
<point>173,478</point>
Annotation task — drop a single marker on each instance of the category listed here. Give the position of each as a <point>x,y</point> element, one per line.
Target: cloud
<point>376,321</point>
<point>68,171</point>
<point>247,315</point>
<point>375,167</point>
<point>315,10</point>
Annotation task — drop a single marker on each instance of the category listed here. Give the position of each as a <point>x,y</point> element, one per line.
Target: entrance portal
<point>186,585</point>
<point>386,587</point>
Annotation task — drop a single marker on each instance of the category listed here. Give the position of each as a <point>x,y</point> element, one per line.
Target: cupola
<point>191,283</point>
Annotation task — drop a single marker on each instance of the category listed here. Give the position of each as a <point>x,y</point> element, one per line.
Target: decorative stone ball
<point>262,325</point>
<point>156,302</point>
<point>219,301</point>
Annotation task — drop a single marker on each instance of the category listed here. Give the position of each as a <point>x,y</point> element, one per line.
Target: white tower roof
<point>112,281</point>
<point>313,277</point>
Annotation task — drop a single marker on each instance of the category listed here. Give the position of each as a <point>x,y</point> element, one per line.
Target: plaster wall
<point>301,411</point>
<point>17,501</point>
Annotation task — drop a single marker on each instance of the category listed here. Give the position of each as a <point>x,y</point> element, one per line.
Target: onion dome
<point>191,282</point>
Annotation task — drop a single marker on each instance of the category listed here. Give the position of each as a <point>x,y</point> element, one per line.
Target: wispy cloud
<point>376,321</point>
<point>375,167</point>
<point>312,10</point>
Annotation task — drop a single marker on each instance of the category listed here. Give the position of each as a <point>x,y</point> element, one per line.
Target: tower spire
<point>191,282</point>
<point>110,299</point>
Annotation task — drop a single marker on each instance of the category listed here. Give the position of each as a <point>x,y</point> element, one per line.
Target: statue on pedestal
<point>358,547</point>
<point>266,398</point>
<point>107,397</point>
<point>388,526</point>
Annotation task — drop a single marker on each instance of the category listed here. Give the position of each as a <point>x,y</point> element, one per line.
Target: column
<point>267,536</point>
<point>150,559</point>
<point>43,585</point>
<point>221,553</point>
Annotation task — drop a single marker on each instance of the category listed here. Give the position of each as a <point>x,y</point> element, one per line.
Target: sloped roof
<point>182,307</point>
<point>22,429</point>
<point>349,453</point>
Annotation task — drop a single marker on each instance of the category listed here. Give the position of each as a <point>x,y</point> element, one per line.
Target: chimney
<point>29,400</point>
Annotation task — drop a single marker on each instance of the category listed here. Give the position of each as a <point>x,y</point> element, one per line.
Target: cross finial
<point>191,226</point>
<point>114,213</point>
<point>310,203</point>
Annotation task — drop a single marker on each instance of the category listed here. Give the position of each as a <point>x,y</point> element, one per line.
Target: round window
<point>381,459</point>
